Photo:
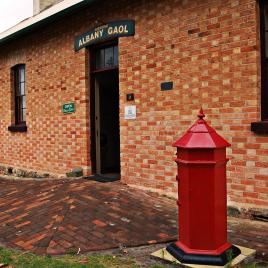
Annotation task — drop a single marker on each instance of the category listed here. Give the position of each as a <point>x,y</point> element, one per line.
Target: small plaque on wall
<point>130,112</point>
<point>130,97</point>
<point>166,86</point>
<point>68,108</point>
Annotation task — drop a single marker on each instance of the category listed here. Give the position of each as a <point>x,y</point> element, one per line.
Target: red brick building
<point>206,53</point>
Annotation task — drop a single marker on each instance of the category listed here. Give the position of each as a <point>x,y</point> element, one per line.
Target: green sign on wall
<point>68,108</point>
<point>104,32</point>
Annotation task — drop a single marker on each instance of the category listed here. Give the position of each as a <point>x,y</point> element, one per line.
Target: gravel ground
<point>142,256</point>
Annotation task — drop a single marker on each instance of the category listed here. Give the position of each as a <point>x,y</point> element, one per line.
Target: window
<point>106,58</point>
<point>19,95</point>
<point>262,127</point>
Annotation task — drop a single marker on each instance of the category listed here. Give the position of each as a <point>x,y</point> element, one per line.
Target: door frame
<point>95,154</point>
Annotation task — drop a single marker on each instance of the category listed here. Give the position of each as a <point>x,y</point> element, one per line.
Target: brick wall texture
<point>209,49</point>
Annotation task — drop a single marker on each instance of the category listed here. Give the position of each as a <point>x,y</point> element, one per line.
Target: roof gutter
<point>47,16</point>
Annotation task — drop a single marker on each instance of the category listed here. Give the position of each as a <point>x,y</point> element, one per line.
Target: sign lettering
<point>104,32</point>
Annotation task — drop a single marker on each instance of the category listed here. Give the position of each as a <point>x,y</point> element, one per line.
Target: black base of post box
<point>218,260</point>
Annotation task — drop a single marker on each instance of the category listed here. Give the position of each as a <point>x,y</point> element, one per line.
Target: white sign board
<point>130,112</point>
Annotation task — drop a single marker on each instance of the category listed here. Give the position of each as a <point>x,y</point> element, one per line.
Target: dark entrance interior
<point>105,136</point>
<point>109,121</point>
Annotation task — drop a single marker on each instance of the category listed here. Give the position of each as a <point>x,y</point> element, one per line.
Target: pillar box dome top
<point>201,135</point>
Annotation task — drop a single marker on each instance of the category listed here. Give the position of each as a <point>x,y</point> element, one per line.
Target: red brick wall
<point>209,49</point>
<point>54,75</point>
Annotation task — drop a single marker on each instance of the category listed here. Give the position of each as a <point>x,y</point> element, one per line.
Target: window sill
<point>17,128</point>
<point>260,127</point>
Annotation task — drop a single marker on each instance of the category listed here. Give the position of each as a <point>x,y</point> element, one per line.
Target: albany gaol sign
<point>104,32</point>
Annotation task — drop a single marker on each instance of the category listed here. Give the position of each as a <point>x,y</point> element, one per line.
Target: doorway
<point>105,135</point>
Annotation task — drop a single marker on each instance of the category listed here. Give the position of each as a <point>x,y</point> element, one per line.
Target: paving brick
<point>99,223</point>
<point>93,225</point>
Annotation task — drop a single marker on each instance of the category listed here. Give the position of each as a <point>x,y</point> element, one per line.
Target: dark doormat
<point>104,178</point>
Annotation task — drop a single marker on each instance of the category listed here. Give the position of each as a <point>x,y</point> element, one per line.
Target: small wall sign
<point>130,97</point>
<point>68,108</point>
<point>166,86</point>
<point>130,112</point>
<point>104,32</point>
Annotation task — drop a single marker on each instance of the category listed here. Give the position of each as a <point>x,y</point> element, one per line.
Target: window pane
<point>18,110</point>
<point>109,57</point>
<point>106,57</point>
<point>23,119</point>
<point>22,74</point>
<point>22,89</point>
<point>16,79</point>
<point>17,89</point>
<point>100,59</point>
<point>116,56</point>
<point>23,102</point>
<point>18,102</point>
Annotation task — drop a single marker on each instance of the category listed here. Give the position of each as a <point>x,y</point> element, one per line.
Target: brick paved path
<point>56,217</point>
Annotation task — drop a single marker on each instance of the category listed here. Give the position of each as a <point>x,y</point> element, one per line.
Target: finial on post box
<point>201,114</point>
<point>201,135</point>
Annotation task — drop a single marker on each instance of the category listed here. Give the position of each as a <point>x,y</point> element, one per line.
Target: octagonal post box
<point>202,201</point>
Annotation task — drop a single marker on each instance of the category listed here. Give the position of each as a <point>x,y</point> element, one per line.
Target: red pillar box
<point>201,159</point>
